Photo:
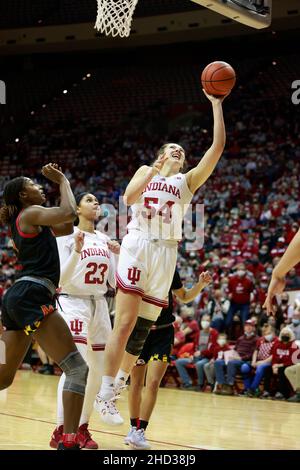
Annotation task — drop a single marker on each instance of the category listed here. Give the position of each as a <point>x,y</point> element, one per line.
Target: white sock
<point>95,360</point>
<point>120,379</point>
<point>107,389</point>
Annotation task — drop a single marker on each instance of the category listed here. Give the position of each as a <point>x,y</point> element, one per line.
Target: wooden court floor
<point>181,420</point>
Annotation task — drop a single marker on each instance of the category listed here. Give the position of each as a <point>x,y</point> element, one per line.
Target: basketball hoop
<point>114,17</point>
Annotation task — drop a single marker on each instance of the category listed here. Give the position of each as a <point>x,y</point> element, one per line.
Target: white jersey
<point>94,267</point>
<point>160,210</point>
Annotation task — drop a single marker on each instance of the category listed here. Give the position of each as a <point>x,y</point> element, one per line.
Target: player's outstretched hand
<point>79,241</point>
<point>276,287</point>
<point>215,99</point>
<point>53,172</point>
<point>205,278</point>
<point>114,246</point>
<point>158,164</point>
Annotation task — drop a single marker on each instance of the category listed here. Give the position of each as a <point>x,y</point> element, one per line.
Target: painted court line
<point>109,433</point>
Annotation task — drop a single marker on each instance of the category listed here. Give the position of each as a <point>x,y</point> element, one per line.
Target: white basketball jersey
<point>160,210</point>
<point>95,267</point>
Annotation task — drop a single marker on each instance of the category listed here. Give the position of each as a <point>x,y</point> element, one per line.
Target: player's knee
<point>76,370</point>
<point>125,327</point>
<point>153,385</point>
<point>138,336</point>
<point>137,387</point>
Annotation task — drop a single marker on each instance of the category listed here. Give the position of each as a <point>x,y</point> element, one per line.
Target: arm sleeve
<point>68,258</point>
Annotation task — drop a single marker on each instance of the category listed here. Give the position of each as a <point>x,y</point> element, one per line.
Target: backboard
<point>254,13</point>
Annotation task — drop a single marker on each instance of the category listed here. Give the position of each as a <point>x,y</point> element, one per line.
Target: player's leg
<point>55,338</point>
<point>75,312</point>
<point>16,344</point>
<point>137,380</point>
<point>95,361</point>
<point>159,344</point>
<point>15,341</point>
<point>157,285</point>
<point>131,275</point>
<point>134,348</point>
<point>99,330</point>
<point>156,371</point>
<point>127,308</point>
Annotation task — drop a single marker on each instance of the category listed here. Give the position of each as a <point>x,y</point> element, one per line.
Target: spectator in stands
<point>217,352</point>
<point>217,308</point>
<point>282,311</point>
<point>202,354</point>
<point>240,289</point>
<point>295,326</point>
<point>279,248</point>
<point>241,354</point>
<point>261,360</point>
<point>188,330</point>
<point>283,352</point>
<point>293,280</point>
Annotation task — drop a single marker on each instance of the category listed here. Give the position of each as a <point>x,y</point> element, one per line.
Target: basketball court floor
<point>182,420</point>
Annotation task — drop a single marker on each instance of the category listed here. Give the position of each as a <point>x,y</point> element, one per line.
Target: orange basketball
<point>218,78</point>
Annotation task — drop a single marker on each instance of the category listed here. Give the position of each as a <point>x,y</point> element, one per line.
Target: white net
<point>114,17</point>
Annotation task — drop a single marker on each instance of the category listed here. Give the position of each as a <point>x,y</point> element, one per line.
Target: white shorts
<point>88,320</point>
<point>146,267</point>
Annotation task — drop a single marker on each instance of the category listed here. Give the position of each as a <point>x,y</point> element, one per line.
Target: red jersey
<point>217,351</point>
<point>240,288</point>
<point>212,339</point>
<point>264,348</point>
<point>282,353</point>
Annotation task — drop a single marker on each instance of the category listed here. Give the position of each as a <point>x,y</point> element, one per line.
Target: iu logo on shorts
<point>134,275</point>
<point>76,326</point>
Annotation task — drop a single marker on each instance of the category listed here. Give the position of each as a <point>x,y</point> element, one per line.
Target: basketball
<point>218,78</point>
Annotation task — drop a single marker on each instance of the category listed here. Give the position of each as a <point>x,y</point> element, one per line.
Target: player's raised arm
<point>59,218</point>
<point>140,180</point>
<point>198,175</point>
<point>290,258</point>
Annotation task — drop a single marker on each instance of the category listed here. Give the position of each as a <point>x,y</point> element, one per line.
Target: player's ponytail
<point>11,198</point>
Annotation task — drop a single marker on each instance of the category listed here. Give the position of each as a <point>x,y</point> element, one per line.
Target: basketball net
<point>114,17</point>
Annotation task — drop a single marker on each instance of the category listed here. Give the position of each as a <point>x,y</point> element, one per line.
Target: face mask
<point>221,342</point>
<point>284,301</point>
<point>257,310</point>
<point>264,285</point>
<point>249,334</point>
<point>269,270</point>
<point>295,321</point>
<point>204,324</point>
<point>285,339</point>
<point>269,337</point>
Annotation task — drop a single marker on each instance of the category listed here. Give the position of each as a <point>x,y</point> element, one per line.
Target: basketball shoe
<point>84,438</point>
<point>128,437</point>
<point>56,437</point>
<point>108,411</point>
<point>138,440</point>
